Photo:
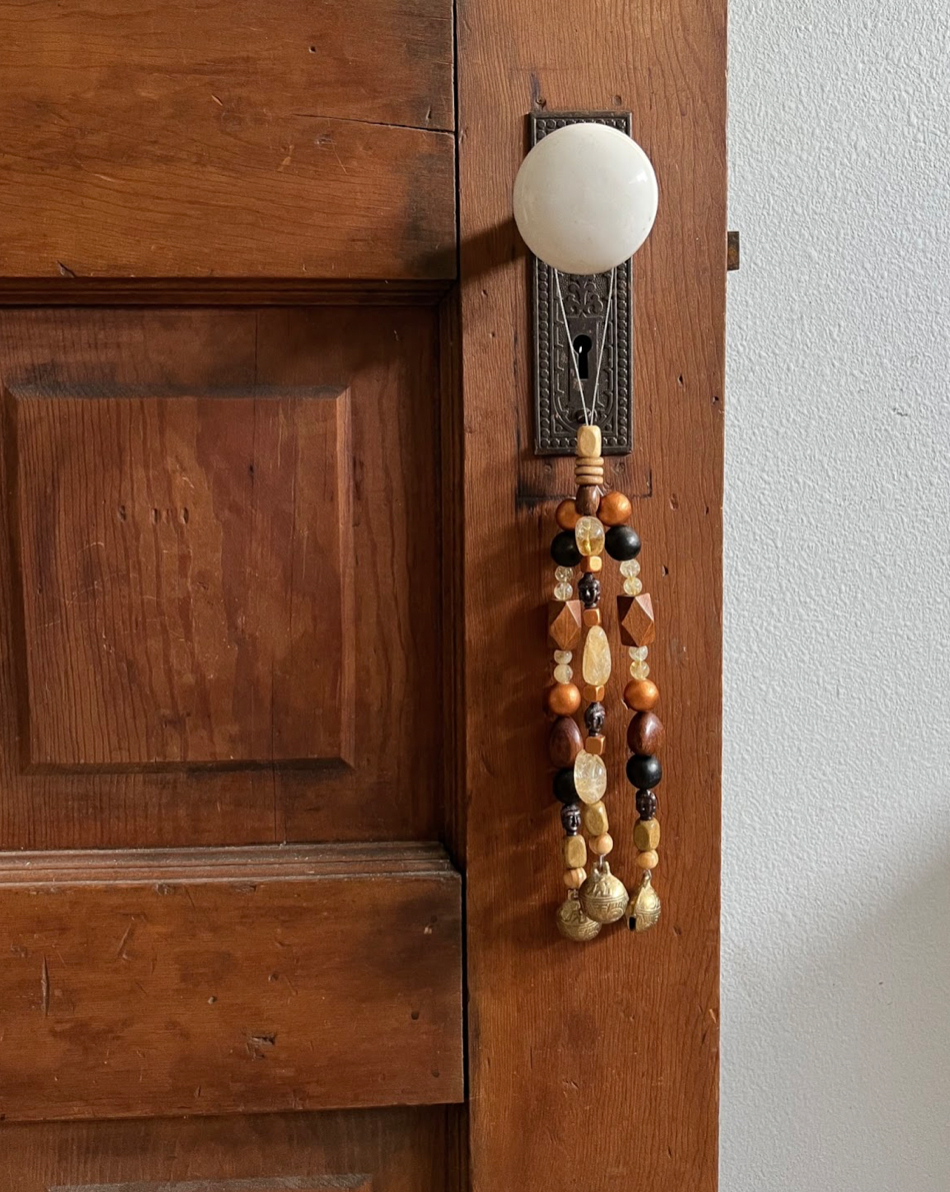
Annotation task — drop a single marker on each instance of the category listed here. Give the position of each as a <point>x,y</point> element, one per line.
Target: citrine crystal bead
<point>632,586</point>
<point>630,567</point>
<point>639,669</point>
<point>595,666</point>
<point>563,673</point>
<point>590,777</point>
<point>563,592</point>
<point>565,656</point>
<point>589,533</point>
<point>564,575</point>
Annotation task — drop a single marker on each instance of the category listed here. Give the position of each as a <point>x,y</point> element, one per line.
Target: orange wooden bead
<point>594,695</point>
<point>602,845</point>
<point>595,745</point>
<point>615,509</point>
<point>563,699</point>
<point>574,878</point>
<point>592,563</point>
<point>591,617</point>
<point>641,695</point>
<point>567,515</point>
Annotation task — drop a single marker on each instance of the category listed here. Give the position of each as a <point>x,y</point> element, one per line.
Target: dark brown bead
<point>646,804</point>
<point>587,500</point>
<point>571,818</point>
<point>588,588</point>
<point>645,733</point>
<point>644,771</point>
<point>564,789</point>
<point>564,742</point>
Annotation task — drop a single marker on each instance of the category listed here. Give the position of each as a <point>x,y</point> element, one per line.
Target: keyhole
<point>582,347</point>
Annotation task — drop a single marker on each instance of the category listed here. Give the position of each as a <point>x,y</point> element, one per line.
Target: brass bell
<point>603,896</point>
<point>573,923</point>
<point>643,912</point>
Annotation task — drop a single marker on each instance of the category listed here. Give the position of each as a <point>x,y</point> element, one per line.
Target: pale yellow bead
<point>639,670</point>
<point>562,657</point>
<point>563,674</point>
<point>590,776</point>
<point>646,834</point>
<point>648,860</point>
<point>574,878</point>
<point>595,819</point>
<point>595,664</point>
<point>638,653</point>
<point>589,533</point>
<point>632,586</point>
<point>563,592</point>
<point>630,567</point>
<point>602,845</point>
<point>575,852</point>
<point>564,575</point>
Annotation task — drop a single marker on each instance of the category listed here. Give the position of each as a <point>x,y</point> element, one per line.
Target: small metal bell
<point>643,912</point>
<point>603,896</point>
<point>573,923</point>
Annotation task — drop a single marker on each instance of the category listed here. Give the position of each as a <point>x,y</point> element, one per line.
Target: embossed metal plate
<point>558,411</point>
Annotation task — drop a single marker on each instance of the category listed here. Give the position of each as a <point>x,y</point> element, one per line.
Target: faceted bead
<point>571,818</point>
<point>564,742</point>
<point>643,770</point>
<point>595,818</point>
<point>564,789</point>
<point>590,777</point>
<point>562,656</point>
<point>564,624</point>
<point>564,550</point>
<point>646,805</point>
<point>632,586</point>
<point>563,575</point>
<point>594,717</point>
<point>622,543</point>
<point>563,674</point>
<point>591,616</point>
<point>596,659</point>
<point>646,834</point>
<point>575,851</point>
<point>639,670</point>
<point>589,534</point>
<point>629,567</point>
<point>588,588</point>
<point>635,614</point>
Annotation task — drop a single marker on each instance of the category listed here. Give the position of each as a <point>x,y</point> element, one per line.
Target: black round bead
<point>571,818</point>
<point>564,550</point>
<point>622,543</point>
<point>644,771</point>
<point>646,804</point>
<point>594,717</point>
<point>588,588</point>
<point>564,789</point>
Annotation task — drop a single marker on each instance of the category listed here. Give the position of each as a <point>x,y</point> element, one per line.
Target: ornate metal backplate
<point>558,411</point>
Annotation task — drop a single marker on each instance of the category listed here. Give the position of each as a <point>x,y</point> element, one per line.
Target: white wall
<point>836,776</point>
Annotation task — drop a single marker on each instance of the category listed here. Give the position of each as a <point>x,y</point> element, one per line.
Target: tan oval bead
<point>595,818</point>
<point>649,859</point>
<point>615,509</point>
<point>640,695</point>
<point>602,845</point>
<point>645,733</point>
<point>587,500</point>
<point>575,852</point>
<point>646,834</point>
<point>574,878</point>
<point>563,699</point>
<point>564,742</point>
<point>566,515</point>
<point>595,660</point>
<point>589,440</point>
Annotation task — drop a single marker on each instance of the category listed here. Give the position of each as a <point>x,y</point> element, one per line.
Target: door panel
<point>238,140</point>
<point>225,598</point>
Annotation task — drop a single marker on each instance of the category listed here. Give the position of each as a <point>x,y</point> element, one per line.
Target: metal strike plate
<point>557,403</point>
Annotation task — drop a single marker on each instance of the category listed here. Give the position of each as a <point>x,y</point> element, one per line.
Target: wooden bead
<point>564,624</point>
<point>564,742</point>
<point>646,834</point>
<point>615,509</point>
<point>588,500</point>
<point>563,699</point>
<point>595,818</point>
<point>644,771</point>
<point>648,860</point>
<point>645,733</point>
<point>641,695</point>
<point>635,614</point>
<point>564,550</point>
<point>602,845</point>
<point>622,543</point>
<point>595,745</point>
<point>589,475</point>
<point>591,616</point>
<point>589,440</point>
<point>592,563</point>
<point>575,852</point>
<point>574,878</point>
<point>593,694</point>
<point>566,515</point>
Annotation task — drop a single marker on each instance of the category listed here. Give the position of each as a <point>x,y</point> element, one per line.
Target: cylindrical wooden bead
<point>575,852</point>
<point>587,500</point>
<point>595,818</point>
<point>615,509</point>
<point>566,515</point>
<point>645,733</point>
<point>602,845</point>
<point>564,742</point>
<point>648,860</point>
<point>646,834</point>
<point>574,878</point>
<point>563,699</point>
<point>641,695</point>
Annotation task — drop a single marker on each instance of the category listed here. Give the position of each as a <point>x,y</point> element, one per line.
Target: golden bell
<point>572,923</point>
<point>603,896</point>
<point>644,909</point>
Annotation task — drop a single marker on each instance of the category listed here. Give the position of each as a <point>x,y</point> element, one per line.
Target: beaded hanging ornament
<point>593,523</point>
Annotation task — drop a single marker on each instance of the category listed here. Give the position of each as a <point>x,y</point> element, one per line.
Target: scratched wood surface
<point>229,981</point>
<point>277,140</point>
<point>594,1066</point>
<point>187,495</point>
<point>379,1150</point>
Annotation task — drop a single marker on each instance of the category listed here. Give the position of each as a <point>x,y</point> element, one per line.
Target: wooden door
<point>271,565</point>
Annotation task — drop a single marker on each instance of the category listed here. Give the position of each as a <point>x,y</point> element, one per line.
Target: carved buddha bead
<point>564,742</point>
<point>588,589</point>
<point>622,543</point>
<point>644,771</point>
<point>646,804</point>
<point>571,818</point>
<point>594,717</point>
<point>645,733</point>
<point>564,550</point>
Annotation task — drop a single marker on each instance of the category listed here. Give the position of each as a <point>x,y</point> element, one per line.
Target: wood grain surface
<point>593,1066</point>
<point>247,140</point>
<point>229,981</point>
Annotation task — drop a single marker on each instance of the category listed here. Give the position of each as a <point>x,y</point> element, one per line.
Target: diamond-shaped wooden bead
<point>635,614</point>
<point>564,624</point>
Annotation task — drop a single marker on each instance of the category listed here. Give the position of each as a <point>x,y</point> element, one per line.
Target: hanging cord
<point>588,414</point>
